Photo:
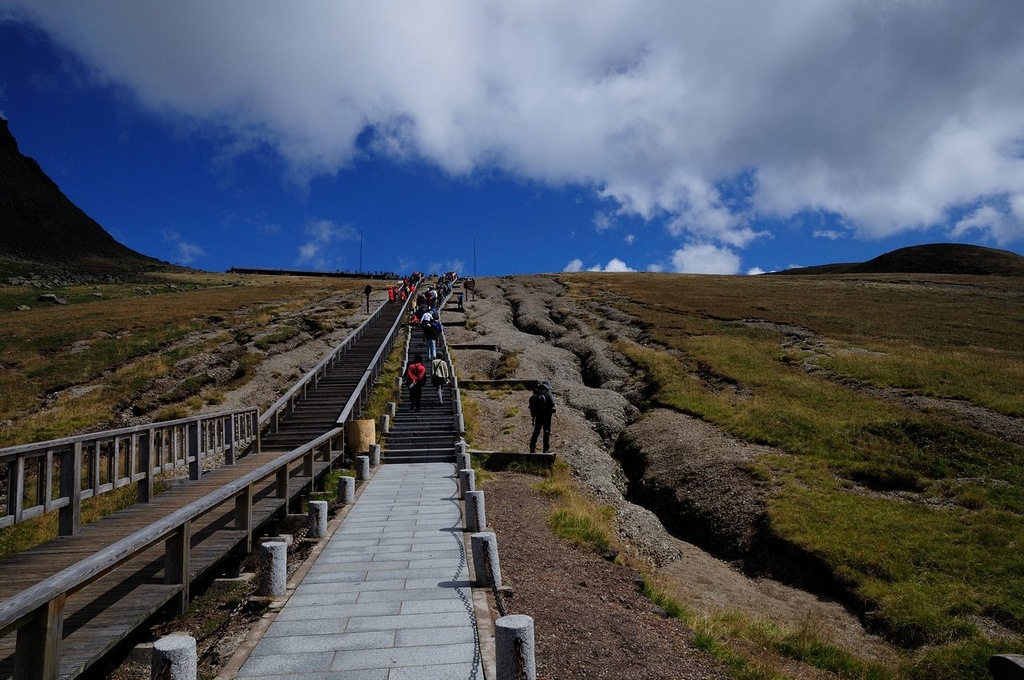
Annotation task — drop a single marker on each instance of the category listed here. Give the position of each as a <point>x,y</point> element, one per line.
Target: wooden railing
<point>287,402</point>
<point>361,394</point>
<point>37,613</point>
<point>119,457</point>
<point>61,473</point>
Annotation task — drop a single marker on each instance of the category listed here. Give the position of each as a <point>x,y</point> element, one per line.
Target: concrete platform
<point>388,597</point>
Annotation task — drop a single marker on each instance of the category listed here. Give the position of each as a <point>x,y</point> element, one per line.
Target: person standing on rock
<point>440,375</point>
<point>415,375</point>
<point>542,407</point>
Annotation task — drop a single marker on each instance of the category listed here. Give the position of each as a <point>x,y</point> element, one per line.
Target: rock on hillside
<point>38,223</point>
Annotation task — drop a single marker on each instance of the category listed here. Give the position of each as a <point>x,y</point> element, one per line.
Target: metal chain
<point>499,597</point>
<point>520,652</point>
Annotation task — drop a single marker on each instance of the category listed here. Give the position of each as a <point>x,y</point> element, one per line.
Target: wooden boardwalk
<point>100,615</point>
<point>103,613</point>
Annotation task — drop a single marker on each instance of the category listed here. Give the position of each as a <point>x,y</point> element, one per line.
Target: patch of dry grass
<point>115,343</point>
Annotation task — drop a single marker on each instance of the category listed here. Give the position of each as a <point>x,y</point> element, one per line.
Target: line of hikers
<point>416,377</point>
<point>426,317</point>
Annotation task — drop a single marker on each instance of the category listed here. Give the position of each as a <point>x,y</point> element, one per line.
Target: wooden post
<point>37,652</point>
<point>146,466</point>
<point>192,448</point>
<point>243,516</point>
<point>177,558</point>
<point>94,466</point>
<point>229,440</point>
<point>282,482</point>
<point>115,462</point>
<point>70,516</point>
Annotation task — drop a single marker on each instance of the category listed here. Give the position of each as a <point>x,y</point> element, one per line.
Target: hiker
<point>440,375</point>
<point>415,374</point>
<point>430,334</point>
<point>542,406</point>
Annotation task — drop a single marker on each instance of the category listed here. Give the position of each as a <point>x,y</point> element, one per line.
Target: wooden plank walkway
<point>100,615</point>
<point>103,613</point>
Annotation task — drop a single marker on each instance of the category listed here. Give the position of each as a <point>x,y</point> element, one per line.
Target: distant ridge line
<point>933,258</point>
<point>300,272</point>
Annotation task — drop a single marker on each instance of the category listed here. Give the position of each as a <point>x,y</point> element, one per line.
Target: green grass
<point>575,517</point>
<point>506,366</point>
<point>717,635</point>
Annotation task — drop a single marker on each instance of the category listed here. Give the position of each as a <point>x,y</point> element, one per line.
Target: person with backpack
<point>440,375</point>
<point>542,407</point>
<point>430,335</point>
<point>415,375</point>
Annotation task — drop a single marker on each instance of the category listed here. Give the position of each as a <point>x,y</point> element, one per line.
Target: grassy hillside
<point>161,346</point>
<point>872,389</point>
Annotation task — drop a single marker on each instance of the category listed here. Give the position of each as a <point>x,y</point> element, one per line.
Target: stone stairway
<point>427,436</point>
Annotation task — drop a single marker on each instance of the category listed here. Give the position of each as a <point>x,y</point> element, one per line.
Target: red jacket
<point>415,373</point>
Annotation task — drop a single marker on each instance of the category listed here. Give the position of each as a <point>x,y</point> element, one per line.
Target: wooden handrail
<point>99,462</point>
<point>15,609</point>
<point>288,397</point>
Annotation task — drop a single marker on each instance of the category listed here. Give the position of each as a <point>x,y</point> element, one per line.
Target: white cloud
<point>629,239</point>
<point>185,252</point>
<point>1002,226</point>
<point>614,265</point>
<point>319,249</point>
<point>617,265</point>
<point>891,116</point>
<point>754,271</point>
<point>453,265</point>
<point>830,234</point>
<point>705,259</point>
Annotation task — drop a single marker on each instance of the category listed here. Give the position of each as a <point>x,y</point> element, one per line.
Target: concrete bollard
<point>462,460</point>
<point>467,482</point>
<point>362,467</point>
<point>476,513</point>
<point>1006,666</point>
<point>392,408</point>
<point>385,423</point>
<point>375,455</point>
<point>346,490</point>
<point>460,446</point>
<point>273,568</point>
<point>175,657</point>
<point>485,558</point>
<point>316,520</point>
<point>514,652</point>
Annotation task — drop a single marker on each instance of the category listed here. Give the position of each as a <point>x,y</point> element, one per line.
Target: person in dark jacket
<point>542,407</point>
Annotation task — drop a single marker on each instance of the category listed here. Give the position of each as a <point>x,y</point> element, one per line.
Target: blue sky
<point>706,136</point>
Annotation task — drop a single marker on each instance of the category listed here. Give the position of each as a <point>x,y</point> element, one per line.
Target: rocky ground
<point>554,339</point>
